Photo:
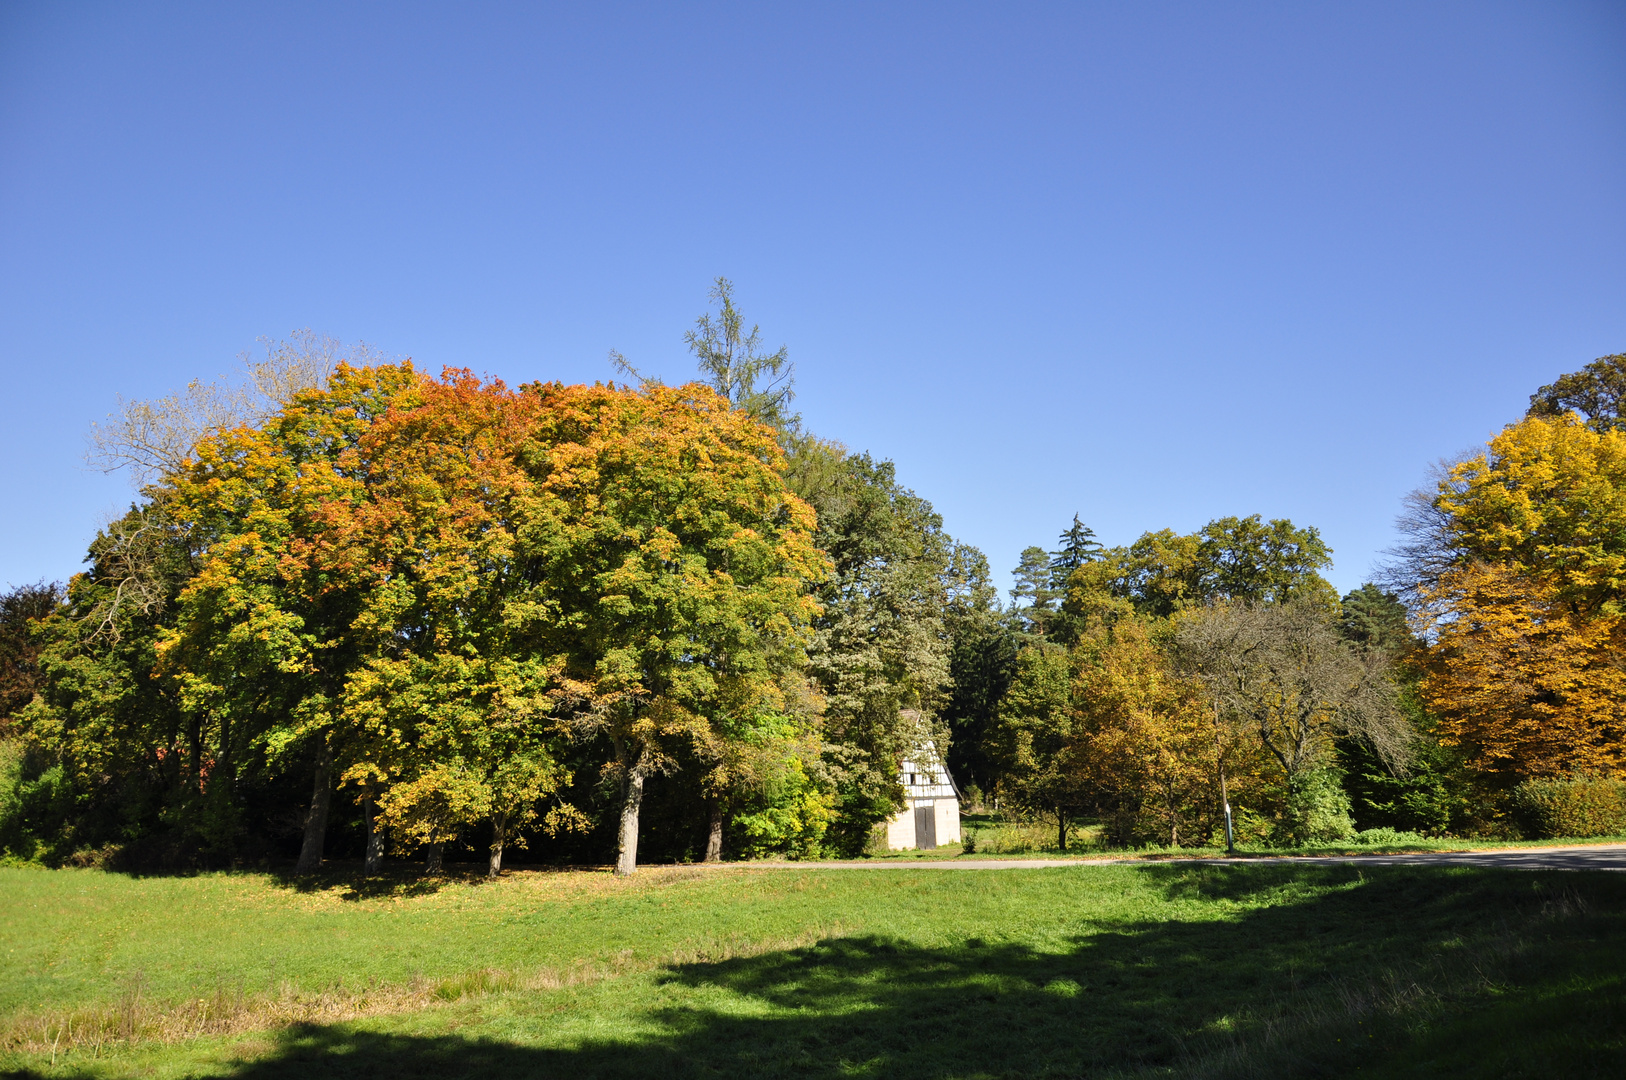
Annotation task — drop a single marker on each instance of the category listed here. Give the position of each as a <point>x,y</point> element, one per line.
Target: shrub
<point>35,804</point>
<point>1579,806</point>
<point>1249,826</point>
<point>1317,811</point>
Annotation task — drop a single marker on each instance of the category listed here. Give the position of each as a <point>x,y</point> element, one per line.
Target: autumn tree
<point>264,641</point>
<point>1282,674</point>
<point>450,715</point>
<point>1516,569</point>
<point>1521,681</point>
<point>1547,498</point>
<point>132,759</point>
<point>676,565</point>
<point>1145,743</point>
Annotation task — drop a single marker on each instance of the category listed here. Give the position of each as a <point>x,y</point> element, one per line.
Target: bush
<point>1317,811</point>
<point>1580,806</point>
<point>35,805</point>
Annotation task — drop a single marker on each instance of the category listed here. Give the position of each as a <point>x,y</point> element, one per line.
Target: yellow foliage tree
<point>1521,680</point>
<point>1524,668</point>
<point>1144,739</point>
<point>1547,499</point>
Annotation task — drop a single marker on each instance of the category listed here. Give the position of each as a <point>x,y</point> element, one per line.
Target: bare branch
<point>157,437</point>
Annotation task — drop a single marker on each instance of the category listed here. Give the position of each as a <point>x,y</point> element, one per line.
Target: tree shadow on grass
<point>1290,982</point>
<point>398,879</point>
<point>343,877</point>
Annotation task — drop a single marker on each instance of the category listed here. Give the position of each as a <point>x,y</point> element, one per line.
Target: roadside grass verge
<point>1149,969</point>
<point>999,839</point>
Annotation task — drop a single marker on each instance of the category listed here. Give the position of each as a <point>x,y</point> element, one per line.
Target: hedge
<point>1579,806</point>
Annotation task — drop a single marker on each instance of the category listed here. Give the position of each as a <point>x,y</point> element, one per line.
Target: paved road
<point>1578,857</point>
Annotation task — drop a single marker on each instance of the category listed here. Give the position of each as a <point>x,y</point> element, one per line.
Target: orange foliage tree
<point>1524,665</point>
<point>1521,680</point>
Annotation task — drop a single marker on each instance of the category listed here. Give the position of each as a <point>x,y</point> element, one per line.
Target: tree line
<point>358,603</point>
<point>1155,685</point>
<point>363,609</point>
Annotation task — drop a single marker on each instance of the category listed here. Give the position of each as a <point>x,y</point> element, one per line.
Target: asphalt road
<point>1578,857</point>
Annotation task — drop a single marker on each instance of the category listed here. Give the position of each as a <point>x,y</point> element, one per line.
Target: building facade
<point>931,804</point>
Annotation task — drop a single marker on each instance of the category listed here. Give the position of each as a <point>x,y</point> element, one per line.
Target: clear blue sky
<point>1150,263</point>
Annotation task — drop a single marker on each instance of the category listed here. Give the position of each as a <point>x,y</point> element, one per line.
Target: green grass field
<point>1149,969</point>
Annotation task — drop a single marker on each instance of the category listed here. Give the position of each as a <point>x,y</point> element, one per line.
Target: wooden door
<point>926,827</point>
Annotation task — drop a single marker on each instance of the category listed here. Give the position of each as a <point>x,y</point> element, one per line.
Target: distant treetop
<point>1596,392</point>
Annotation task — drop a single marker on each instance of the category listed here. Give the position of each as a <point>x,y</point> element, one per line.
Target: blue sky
<point>1150,263</point>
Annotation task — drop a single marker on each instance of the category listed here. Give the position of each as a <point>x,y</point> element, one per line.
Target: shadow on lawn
<point>1304,955</point>
<point>396,879</point>
<point>347,880</point>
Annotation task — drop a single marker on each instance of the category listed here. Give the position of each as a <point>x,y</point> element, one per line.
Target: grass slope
<point>1155,970</point>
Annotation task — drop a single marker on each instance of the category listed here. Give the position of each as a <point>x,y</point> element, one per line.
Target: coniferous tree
<point>1078,546</point>
<point>1033,596</point>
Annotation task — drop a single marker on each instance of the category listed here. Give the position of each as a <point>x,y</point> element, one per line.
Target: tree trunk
<point>1061,828</point>
<point>714,838</point>
<point>375,839</point>
<point>195,753</point>
<point>626,860</point>
<point>499,833</point>
<point>310,852</point>
<point>431,860</point>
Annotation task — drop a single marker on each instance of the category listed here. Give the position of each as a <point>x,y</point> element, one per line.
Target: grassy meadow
<point>1147,969</point>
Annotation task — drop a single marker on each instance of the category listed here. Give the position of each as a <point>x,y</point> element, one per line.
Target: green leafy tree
<point>108,755</point>
<point>265,637</point>
<point>762,385</point>
<point>676,566</point>
<point>1034,738</point>
<point>1078,546</point>
<point>1230,559</point>
<point>1596,392</point>
<point>1032,595</point>
<point>883,642</point>
<point>1263,562</point>
<point>21,610</point>
<point>1375,619</point>
<point>984,642</point>
<point>1436,794</point>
